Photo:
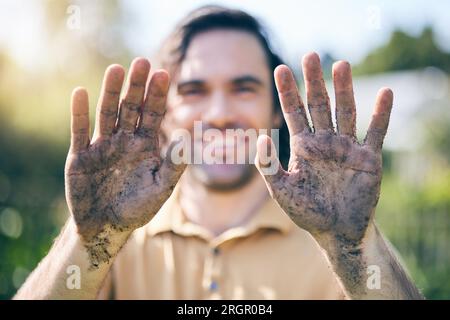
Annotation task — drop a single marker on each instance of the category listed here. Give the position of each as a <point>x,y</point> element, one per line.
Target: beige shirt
<point>269,257</point>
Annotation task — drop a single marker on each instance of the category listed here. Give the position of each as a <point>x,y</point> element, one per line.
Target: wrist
<point>103,246</point>
<point>350,259</point>
<point>334,243</point>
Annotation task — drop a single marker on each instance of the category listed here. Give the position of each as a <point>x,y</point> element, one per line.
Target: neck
<point>218,211</point>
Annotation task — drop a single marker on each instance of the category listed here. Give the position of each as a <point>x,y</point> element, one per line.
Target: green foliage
<point>416,219</point>
<point>414,207</point>
<point>405,52</point>
<point>31,182</point>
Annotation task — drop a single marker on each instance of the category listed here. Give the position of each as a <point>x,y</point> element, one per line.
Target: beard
<point>223,177</point>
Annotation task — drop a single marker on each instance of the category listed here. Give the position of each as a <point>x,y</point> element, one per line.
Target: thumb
<point>268,164</point>
<point>174,163</point>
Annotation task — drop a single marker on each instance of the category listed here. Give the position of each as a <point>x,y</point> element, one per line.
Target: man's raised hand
<point>332,184</point>
<point>118,181</point>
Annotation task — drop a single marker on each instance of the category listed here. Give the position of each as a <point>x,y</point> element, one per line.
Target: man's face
<point>224,82</point>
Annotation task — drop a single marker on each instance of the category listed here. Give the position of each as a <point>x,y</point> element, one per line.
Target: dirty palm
<point>333,181</point>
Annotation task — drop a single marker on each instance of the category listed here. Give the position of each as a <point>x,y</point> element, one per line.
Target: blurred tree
<point>414,209</point>
<point>34,121</point>
<point>437,133</point>
<point>31,181</point>
<point>405,52</point>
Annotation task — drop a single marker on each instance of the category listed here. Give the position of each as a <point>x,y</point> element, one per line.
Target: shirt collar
<point>170,218</point>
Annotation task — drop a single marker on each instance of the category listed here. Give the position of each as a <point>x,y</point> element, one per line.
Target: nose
<point>220,111</point>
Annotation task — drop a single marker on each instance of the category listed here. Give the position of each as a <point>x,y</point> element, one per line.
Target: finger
<point>345,101</point>
<point>108,102</point>
<point>131,104</point>
<point>79,120</point>
<point>155,102</point>
<point>268,164</point>
<point>291,103</point>
<point>316,93</point>
<point>380,119</point>
<point>174,163</point>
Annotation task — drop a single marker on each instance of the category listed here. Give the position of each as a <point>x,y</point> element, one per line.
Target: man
<point>220,235</point>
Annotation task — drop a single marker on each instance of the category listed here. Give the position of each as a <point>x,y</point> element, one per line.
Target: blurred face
<point>224,82</point>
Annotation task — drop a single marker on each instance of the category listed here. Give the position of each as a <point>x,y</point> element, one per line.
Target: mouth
<point>224,148</point>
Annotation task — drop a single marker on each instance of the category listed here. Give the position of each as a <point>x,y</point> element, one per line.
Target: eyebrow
<point>236,81</point>
<point>247,79</point>
<point>188,83</point>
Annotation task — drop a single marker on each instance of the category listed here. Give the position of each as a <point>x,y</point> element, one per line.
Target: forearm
<point>69,271</point>
<point>370,270</point>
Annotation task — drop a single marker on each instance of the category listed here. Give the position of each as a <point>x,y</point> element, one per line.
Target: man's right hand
<point>118,181</point>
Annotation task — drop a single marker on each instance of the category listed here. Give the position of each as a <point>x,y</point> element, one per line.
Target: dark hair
<point>207,18</point>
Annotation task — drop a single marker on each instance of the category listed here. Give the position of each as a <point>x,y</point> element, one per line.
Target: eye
<point>191,91</point>
<point>244,89</point>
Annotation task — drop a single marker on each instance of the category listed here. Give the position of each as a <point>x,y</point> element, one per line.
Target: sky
<point>348,29</point>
